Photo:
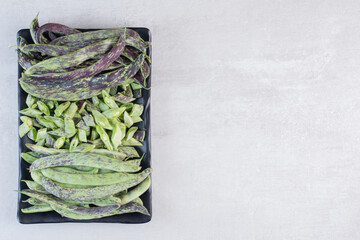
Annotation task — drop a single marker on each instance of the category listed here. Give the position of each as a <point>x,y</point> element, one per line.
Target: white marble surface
<point>255,117</point>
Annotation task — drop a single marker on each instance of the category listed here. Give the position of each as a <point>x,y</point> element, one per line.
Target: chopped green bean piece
<point>136,119</point>
<point>59,122</point>
<point>113,112</point>
<point>69,126</point>
<point>101,120</point>
<point>94,134</point>
<point>41,134</point>
<point>103,106</point>
<point>136,86</point>
<point>30,112</point>
<point>130,133</point>
<point>82,125</point>
<point>50,141</point>
<point>104,137</point>
<point>136,110</point>
<point>59,142</point>
<point>70,112</point>
<point>131,142</point>
<point>32,134</point>
<point>61,108</point>
<point>23,129</point>
<point>74,142</point>
<point>30,100</point>
<point>127,119</point>
<point>108,100</point>
<point>95,100</point>
<point>81,107</point>
<point>82,135</point>
<point>46,123</point>
<point>89,120</point>
<point>28,158</point>
<point>113,90</point>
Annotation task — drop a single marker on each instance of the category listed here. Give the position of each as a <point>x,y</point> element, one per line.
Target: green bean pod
<point>37,208</point>
<point>89,179</point>
<point>82,194</point>
<point>84,159</point>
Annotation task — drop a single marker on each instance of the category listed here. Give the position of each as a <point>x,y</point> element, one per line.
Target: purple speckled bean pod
<point>90,71</point>
<point>53,27</point>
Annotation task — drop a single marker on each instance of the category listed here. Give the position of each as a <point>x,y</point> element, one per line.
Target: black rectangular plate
<point>53,217</point>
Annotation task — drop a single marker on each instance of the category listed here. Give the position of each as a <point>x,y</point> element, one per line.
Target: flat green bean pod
<point>37,208</point>
<point>58,204</point>
<point>90,193</point>
<point>84,159</point>
<point>127,208</point>
<point>91,179</point>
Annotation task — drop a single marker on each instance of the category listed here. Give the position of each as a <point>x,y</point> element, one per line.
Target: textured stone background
<point>255,117</point>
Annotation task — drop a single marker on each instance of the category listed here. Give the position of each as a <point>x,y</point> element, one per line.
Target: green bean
<point>92,180</point>
<point>118,134</point>
<point>61,205</point>
<point>24,129</point>
<point>101,120</point>
<point>58,121</point>
<point>84,159</point>
<point>61,108</point>
<point>108,100</point>
<point>37,208</point>
<point>32,134</point>
<point>113,112</point>
<point>130,133</point>
<point>50,141</point>
<point>74,171</point>
<point>69,126</point>
<point>41,142</point>
<point>131,142</point>
<point>44,150</point>
<point>30,100</point>
<point>46,123</point>
<point>136,192</point>
<point>60,132</point>
<point>84,147</point>
<point>113,154</point>
<point>30,112</point>
<point>28,121</point>
<point>104,137</point>
<point>33,185</point>
<point>74,142</point>
<point>137,110</point>
<point>43,108</point>
<point>28,158</point>
<point>70,112</point>
<point>41,134</point>
<point>102,106</point>
<point>81,125</point>
<point>82,135</point>
<point>128,151</point>
<point>59,142</point>
<point>128,208</point>
<point>127,119</point>
<point>49,103</point>
<point>89,120</point>
<point>82,194</point>
<point>138,200</point>
<point>95,100</point>
<point>34,201</point>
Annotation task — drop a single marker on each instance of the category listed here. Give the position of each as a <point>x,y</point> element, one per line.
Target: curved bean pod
<point>81,89</point>
<point>84,159</point>
<point>25,61</point>
<point>71,59</point>
<point>136,192</point>
<point>90,71</point>
<point>91,179</point>
<point>34,26</point>
<point>128,208</point>
<point>83,194</point>
<point>37,208</point>
<point>55,28</point>
<point>94,212</point>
